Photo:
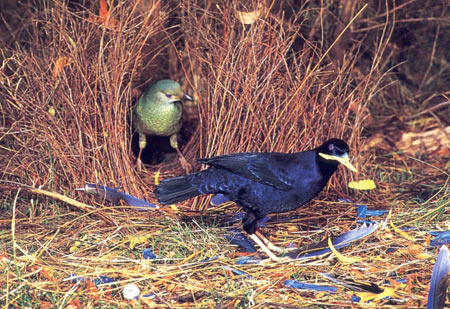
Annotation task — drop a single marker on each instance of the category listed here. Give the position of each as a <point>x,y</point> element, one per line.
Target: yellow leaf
<point>174,207</point>
<point>74,247</point>
<point>71,41</point>
<point>248,18</point>
<point>76,244</point>
<point>136,240</point>
<point>397,230</point>
<point>366,184</point>
<point>388,292</point>
<point>342,258</point>
<point>157,178</point>
<point>52,111</point>
<point>423,256</point>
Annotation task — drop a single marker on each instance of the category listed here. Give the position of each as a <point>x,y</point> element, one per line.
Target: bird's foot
<point>185,165</point>
<point>278,259</point>
<point>138,165</point>
<point>267,251</point>
<point>272,247</point>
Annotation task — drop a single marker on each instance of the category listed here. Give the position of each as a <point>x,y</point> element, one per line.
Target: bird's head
<point>336,150</point>
<point>169,91</point>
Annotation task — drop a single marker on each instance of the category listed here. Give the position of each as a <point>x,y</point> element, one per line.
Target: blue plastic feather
<point>114,195</point>
<point>363,211</point>
<point>239,239</point>
<point>339,242</point>
<point>441,238</point>
<point>439,280</point>
<point>238,272</point>
<point>103,280</point>
<point>148,254</point>
<point>293,284</point>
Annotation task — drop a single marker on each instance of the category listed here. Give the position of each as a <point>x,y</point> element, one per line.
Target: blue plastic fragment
<point>306,286</point>
<point>103,280</point>
<point>148,254</point>
<point>439,280</point>
<point>391,250</point>
<point>408,228</point>
<point>363,211</point>
<point>239,239</point>
<point>248,260</point>
<point>441,238</point>
<point>368,222</point>
<point>401,280</point>
<point>238,272</point>
<point>356,299</point>
<point>375,212</point>
<point>210,259</point>
<point>75,278</point>
<point>149,295</point>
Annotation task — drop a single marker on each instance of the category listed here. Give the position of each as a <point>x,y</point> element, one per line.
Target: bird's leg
<point>266,250</point>
<point>142,144</point>
<point>271,246</point>
<point>174,143</point>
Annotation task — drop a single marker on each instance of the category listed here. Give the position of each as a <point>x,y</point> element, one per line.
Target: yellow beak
<point>344,160</point>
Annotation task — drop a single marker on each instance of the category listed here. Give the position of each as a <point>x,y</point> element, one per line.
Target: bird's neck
<point>327,167</point>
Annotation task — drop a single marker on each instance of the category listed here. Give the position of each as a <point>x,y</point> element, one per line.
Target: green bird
<point>159,112</point>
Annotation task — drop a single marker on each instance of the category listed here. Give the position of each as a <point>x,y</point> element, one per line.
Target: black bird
<point>261,183</point>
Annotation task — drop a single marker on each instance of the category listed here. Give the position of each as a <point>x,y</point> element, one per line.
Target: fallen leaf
<point>388,292</point>
<point>248,18</point>
<point>157,178</point>
<point>340,257</point>
<point>366,184</point>
<point>52,111</point>
<point>136,240</point>
<point>397,230</point>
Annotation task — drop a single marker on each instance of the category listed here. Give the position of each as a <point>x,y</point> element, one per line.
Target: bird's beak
<point>344,160</point>
<point>187,97</point>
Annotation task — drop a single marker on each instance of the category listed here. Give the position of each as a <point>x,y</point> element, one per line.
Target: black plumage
<point>261,183</point>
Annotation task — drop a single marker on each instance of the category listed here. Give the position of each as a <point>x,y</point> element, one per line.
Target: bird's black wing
<point>273,169</point>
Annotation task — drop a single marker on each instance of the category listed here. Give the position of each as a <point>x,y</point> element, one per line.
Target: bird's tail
<point>175,190</point>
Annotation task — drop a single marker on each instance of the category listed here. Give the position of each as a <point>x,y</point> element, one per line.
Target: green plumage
<point>159,112</point>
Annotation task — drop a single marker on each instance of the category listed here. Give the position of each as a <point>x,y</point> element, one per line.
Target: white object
<point>131,291</point>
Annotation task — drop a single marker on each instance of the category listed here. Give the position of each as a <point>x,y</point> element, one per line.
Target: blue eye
<point>168,95</point>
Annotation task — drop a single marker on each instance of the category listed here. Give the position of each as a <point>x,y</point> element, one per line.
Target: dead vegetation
<point>294,75</point>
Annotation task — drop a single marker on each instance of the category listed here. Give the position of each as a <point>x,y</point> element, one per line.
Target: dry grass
<point>287,82</point>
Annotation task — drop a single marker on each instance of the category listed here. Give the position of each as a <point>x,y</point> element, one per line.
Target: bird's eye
<point>331,147</point>
<point>168,95</point>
